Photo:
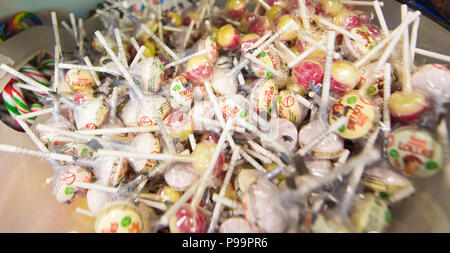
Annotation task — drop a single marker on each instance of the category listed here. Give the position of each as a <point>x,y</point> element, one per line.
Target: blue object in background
<point>427,7</point>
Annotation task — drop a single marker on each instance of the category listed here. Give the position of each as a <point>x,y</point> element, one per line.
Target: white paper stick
<point>38,153</point>
<point>90,68</point>
<point>56,69</point>
<point>164,221</point>
<point>27,87</point>
<point>160,30</point>
<point>387,52</point>
<point>216,123</point>
<point>301,57</point>
<point>123,130</point>
<point>226,202</point>
<point>331,129</point>
<point>434,55</point>
<point>81,37</point>
<point>159,157</point>
<point>223,190</point>
<point>317,44</point>
<point>264,4</point>
<point>188,34</point>
<point>265,66</point>
<point>93,186</point>
<point>134,43</point>
<point>240,76</point>
<point>212,164</point>
<point>24,78</point>
<point>342,30</point>
<point>122,55</point>
<point>363,60</point>
<point>84,212</point>
<point>442,131</point>
<point>173,29</point>
<point>56,31</point>
<point>151,196</point>
<point>186,58</point>
<point>138,57</point>
<point>413,42</point>
<point>324,99</point>
<point>160,43</point>
<point>380,16</point>
<point>304,14</point>
<point>305,102</point>
<point>360,3</point>
<point>405,52</point>
<point>257,155</point>
<point>265,152</point>
<point>342,158</point>
<point>154,204</point>
<point>273,37</point>
<point>32,136</point>
<point>65,25</point>
<point>386,95</point>
<point>93,73</point>
<point>192,142</point>
<point>74,26</point>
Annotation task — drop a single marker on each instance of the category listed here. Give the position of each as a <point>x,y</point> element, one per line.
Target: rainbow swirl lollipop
<point>22,21</point>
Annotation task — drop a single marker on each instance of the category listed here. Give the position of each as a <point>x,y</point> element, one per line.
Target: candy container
<point>289,108</point>
<point>181,93</point>
<point>179,125</point>
<point>228,37</point>
<point>188,220</point>
<point>262,94</point>
<point>119,217</point>
<point>431,80</point>
<point>145,143</point>
<point>235,9</point>
<point>259,201</point>
<point>414,151</point>
<point>180,176</point>
<point>64,190</point>
<point>199,69</point>
<point>370,214</point>
<point>236,225</point>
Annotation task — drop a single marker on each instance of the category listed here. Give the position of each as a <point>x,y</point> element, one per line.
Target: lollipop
<point>22,21</point>
<point>228,37</point>
<point>414,152</point>
<point>63,190</point>
<point>119,217</point>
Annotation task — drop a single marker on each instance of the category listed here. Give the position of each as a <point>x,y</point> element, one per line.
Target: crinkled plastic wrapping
<point>181,176</point>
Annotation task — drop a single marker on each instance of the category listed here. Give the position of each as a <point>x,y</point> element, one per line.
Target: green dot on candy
<point>387,216</point>
<point>371,90</point>
<point>262,54</point>
<point>212,39</point>
<point>69,190</point>
<point>352,100</point>
<point>269,74</point>
<point>243,114</point>
<point>126,221</point>
<point>432,165</point>
<point>384,195</point>
<point>342,129</point>
<point>394,153</point>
